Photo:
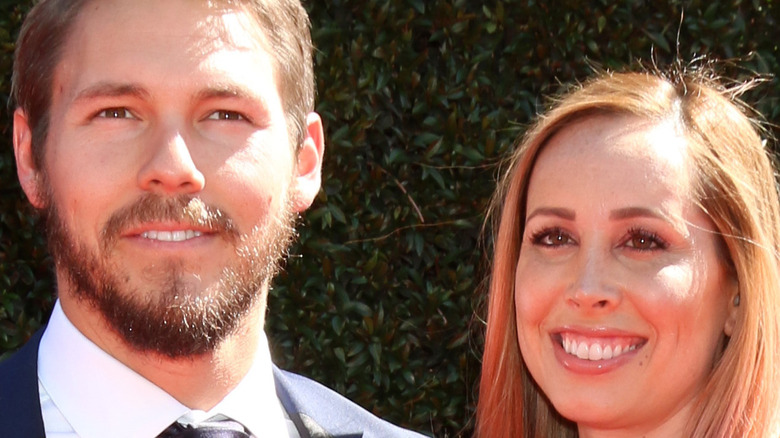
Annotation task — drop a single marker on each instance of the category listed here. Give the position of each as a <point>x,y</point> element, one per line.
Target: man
<point>168,146</point>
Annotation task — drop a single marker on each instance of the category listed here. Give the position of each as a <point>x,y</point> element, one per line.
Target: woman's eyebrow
<point>633,212</point>
<point>563,213</point>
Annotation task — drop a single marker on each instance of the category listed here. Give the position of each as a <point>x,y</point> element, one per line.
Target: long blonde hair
<point>735,186</point>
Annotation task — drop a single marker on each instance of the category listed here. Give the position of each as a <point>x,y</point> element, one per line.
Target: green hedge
<point>421,100</point>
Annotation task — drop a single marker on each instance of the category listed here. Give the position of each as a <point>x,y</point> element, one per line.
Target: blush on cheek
<point>530,310</point>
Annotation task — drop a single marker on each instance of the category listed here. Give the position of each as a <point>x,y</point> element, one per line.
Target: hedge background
<point>420,99</point>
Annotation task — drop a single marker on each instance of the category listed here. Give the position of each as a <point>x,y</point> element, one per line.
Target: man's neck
<point>198,382</point>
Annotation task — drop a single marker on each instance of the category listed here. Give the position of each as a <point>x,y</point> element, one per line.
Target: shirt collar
<point>99,396</point>
<point>254,402</point>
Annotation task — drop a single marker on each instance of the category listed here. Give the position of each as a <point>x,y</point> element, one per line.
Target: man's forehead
<point>178,41</point>
<point>191,27</point>
<point>207,21</point>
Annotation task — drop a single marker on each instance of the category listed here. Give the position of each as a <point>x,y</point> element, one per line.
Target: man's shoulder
<point>19,370</point>
<point>20,409</point>
<point>325,413</point>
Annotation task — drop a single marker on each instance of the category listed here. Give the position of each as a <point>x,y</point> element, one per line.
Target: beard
<point>171,318</point>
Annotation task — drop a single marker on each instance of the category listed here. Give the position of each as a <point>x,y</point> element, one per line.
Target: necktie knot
<point>218,426</point>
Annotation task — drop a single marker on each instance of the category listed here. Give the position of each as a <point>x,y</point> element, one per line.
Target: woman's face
<point>621,292</point>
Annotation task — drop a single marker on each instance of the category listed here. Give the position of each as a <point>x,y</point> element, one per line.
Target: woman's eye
<point>226,115</point>
<point>116,113</point>
<point>554,237</point>
<point>644,241</point>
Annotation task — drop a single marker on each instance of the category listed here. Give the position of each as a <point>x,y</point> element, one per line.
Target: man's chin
<point>174,315</point>
<point>175,323</point>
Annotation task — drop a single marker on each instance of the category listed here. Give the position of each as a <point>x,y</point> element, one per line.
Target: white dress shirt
<point>86,393</point>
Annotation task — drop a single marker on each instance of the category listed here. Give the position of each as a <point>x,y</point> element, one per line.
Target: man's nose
<point>594,286</point>
<point>170,168</point>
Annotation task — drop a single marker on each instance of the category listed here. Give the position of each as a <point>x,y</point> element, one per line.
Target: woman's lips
<point>595,351</point>
<point>598,348</point>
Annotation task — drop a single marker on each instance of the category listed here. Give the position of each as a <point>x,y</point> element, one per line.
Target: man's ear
<point>29,175</point>
<point>308,170</point>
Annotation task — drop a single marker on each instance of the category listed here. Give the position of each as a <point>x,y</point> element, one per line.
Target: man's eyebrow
<point>223,91</point>
<point>111,89</point>
<point>563,213</point>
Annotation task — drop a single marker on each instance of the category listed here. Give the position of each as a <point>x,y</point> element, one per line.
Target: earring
<point>736,300</point>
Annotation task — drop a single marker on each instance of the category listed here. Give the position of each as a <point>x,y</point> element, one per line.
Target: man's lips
<point>153,218</point>
<point>171,236</point>
<point>596,348</point>
<point>167,232</point>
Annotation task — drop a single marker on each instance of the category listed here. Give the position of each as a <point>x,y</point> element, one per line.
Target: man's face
<point>169,182</point>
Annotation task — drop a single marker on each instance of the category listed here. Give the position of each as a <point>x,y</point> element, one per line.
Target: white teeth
<point>595,351</point>
<point>582,351</point>
<point>171,236</point>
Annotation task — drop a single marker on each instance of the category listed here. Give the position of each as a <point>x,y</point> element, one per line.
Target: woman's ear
<point>733,310</point>
<point>28,173</point>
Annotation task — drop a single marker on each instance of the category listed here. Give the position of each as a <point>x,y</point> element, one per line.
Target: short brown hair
<point>284,24</point>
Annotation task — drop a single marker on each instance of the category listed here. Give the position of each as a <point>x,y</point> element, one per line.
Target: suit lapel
<point>290,406</point>
<point>316,411</point>
<point>20,404</point>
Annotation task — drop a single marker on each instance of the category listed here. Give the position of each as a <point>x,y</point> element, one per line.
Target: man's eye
<point>116,113</point>
<point>226,115</point>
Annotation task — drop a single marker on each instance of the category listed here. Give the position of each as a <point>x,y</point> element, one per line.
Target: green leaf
<point>601,23</point>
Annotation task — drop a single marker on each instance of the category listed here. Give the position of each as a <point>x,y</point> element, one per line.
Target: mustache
<point>183,209</point>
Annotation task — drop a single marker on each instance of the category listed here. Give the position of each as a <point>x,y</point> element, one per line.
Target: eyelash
<point>124,113</point>
<point>641,233</point>
<point>537,238</point>
<point>222,113</point>
<point>103,113</point>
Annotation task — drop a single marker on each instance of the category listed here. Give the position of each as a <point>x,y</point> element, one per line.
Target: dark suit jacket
<point>317,411</point>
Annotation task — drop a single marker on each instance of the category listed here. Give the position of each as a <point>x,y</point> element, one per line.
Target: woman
<point>634,290</point>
